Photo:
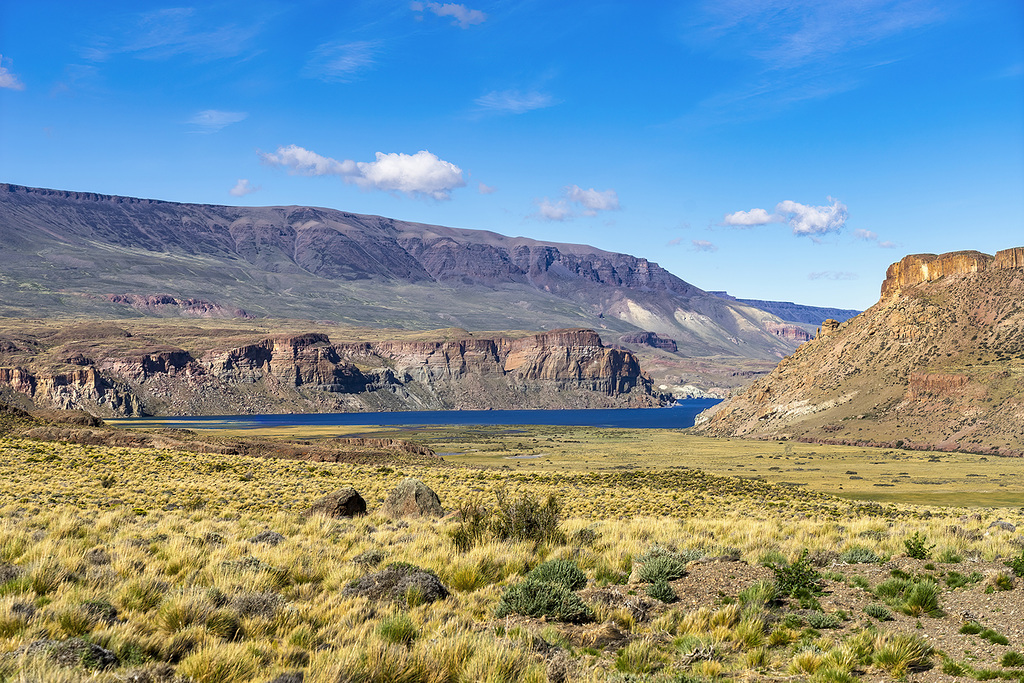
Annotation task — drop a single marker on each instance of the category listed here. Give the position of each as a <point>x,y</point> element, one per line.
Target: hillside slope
<point>71,253</point>
<point>938,363</point>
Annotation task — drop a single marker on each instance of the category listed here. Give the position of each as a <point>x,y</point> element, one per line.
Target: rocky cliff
<point>108,371</point>
<point>937,363</point>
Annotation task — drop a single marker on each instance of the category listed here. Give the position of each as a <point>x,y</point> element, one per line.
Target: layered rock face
<point>937,363</point>
<point>918,268</point>
<point>309,373</point>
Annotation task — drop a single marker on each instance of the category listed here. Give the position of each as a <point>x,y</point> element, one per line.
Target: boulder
<point>399,582</point>
<point>342,503</point>
<point>1002,524</point>
<point>412,498</point>
<point>71,652</point>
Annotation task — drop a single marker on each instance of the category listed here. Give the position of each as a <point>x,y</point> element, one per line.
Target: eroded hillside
<point>938,362</point>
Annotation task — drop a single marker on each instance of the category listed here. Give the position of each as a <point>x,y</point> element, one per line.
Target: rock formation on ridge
<point>937,363</point>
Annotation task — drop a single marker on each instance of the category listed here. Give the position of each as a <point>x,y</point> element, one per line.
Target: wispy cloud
<point>487,189</point>
<point>802,50</point>
<point>702,245</point>
<point>870,236</point>
<point>418,175</point>
<point>513,101</point>
<point>8,79</point>
<point>575,198</point>
<point>243,187</point>
<point>803,219</point>
<point>832,275</point>
<point>213,120</point>
<point>462,16</point>
<point>166,33</point>
<point>341,62</point>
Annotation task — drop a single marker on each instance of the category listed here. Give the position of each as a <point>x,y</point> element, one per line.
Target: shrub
<point>822,620</point>
<point>1016,564</point>
<point>658,564</point>
<point>859,554</point>
<point>877,611</point>
<point>563,572</point>
<point>526,519</point>
<point>917,547</point>
<point>797,578</point>
<point>661,590</point>
<point>1002,582</point>
<point>922,598</point>
<point>957,580</point>
<point>539,599</point>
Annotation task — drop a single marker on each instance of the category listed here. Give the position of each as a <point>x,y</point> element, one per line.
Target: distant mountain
<point>796,313</point>
<point>72,253</point>
<point>937,363</point>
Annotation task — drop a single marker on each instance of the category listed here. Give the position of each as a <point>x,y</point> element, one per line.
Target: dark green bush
<point>661,590</point>
<point>1017,564</point>
<point>563,572</point>
<point>917,547</point>
<point>880,612</point>
<point>539,599</point>
<point>797,578</point>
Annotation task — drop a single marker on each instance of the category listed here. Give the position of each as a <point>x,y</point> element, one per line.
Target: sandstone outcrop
<point>935,364</point>
<point>917,268</point>
<point>652,339</point>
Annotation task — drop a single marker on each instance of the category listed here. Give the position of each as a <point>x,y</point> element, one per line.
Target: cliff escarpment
<point>109,371</point>
<point>937,363</point>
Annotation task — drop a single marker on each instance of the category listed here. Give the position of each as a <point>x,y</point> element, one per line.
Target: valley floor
<point>166,565</point>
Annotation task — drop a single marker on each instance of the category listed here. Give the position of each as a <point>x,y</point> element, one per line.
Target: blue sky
<point>777,150</point>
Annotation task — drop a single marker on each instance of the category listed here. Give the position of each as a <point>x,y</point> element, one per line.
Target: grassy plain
<point>852,472</point>
<point>155,556</point>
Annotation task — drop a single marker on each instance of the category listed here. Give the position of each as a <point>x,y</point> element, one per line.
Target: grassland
<point>851,472</point>
<point>155,556</point>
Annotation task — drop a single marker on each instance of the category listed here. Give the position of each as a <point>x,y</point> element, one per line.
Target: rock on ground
<point>396,582</point>
<point>342,503</point>
<point>413,498</point>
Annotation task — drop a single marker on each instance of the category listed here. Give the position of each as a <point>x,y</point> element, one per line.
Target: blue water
<point>679,416</point>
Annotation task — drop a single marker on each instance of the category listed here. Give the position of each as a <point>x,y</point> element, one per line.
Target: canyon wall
<point>309,373</point>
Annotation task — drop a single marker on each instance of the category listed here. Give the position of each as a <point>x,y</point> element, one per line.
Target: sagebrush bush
<point>563,572</point>
<point>659,564</point>
<point>822,620</point>
<point>539,599</point>
<point>859,554</point>
<point>661,590</point>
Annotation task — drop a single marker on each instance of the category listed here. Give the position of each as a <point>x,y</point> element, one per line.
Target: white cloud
<point>341,62</point>
<point>702,245</point>
<point>242,188</point>
<point>589,202</point>
<point>462,15</point>
<point>593,201</point>
<point>9,80</point>
<point>212,120</point>
<point>487,189</point>
<point>747,219</point>
<point>419,174</point>
<point>804,219</point>
<point>814,220</point>
<point>514,101</point>
<point>553,211</point>
<point>831,275</point>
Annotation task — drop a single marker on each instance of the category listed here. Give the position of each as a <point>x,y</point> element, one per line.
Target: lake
<point>678,416</point>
